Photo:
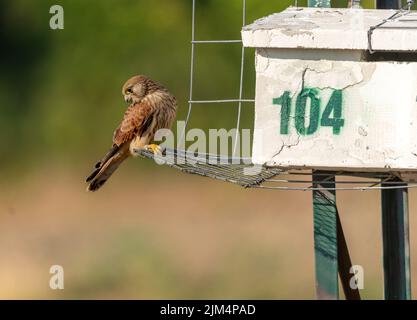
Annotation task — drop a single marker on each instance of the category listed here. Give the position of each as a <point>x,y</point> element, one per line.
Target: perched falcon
<point>151,107</point>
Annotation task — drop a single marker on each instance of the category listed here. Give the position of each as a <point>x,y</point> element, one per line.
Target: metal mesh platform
<point>235,170</point>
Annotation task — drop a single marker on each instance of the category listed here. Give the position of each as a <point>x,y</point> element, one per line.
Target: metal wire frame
<point>234,170</point>
<point>215,41</point>
<point>240,99</point>
<point>375,181</point>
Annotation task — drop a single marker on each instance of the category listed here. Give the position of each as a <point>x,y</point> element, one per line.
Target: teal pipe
<point>319,3</point>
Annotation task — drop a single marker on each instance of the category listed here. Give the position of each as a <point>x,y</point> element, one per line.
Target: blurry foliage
<point>60,90</point>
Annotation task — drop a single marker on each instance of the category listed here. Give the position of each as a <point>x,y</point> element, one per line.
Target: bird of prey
<point>151,107</point>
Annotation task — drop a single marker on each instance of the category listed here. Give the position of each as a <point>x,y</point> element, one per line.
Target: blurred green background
<point>151,232</point>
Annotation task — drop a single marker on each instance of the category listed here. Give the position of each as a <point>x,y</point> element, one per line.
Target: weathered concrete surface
<point>332,29</point>
<point>319,105</point>
<point>378,122</point>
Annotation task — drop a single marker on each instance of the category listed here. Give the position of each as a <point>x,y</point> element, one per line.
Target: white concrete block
<point>324,28</point>
<point>319,105</point>
<point>341,114</point>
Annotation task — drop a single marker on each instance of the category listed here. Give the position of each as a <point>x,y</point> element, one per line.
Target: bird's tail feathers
<point>99,165</point>
<point>108,155</point>
<point>101,174</point>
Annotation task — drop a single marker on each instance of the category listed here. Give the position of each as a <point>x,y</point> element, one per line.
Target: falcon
<point>151,107</point>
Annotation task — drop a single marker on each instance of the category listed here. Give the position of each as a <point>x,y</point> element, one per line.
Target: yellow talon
<point>156,149</point>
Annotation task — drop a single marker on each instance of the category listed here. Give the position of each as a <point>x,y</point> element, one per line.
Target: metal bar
<point>325,238</point>
<point>400,28</point>
<point>345,263</point>
<point>242,66</point>
<point>345,173</point>
<point>338,188</point>
<point>190,103</point>
<point>221,101</point>
<point>214,41</point>
<point>338,182</point>
<point>396,246</point>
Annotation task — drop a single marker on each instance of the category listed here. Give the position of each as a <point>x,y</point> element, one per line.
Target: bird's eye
<point>129,90</point>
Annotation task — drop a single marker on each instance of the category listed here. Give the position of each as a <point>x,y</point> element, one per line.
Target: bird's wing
<point>136,120</point>
<point>136,116</point>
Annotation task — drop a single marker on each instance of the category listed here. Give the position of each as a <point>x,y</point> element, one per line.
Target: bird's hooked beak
<point>128,99</point>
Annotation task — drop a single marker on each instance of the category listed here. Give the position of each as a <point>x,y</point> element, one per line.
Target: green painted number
<point>334,105</point>
<point>300,111</point>
<point>285,102</point>
<point>331,117</point>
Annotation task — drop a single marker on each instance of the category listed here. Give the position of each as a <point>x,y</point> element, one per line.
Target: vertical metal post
<point>325,236</point>
<point>388,4</point>
<point>395,235</point>
<point>319,3</point>
<point>396,246</point>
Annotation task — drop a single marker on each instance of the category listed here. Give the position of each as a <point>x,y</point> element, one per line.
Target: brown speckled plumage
<point>152,107</point>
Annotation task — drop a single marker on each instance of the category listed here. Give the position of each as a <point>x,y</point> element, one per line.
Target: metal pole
<point>396,245</point>
<point>319,3</point>
<point>325,237</point>
<point>330,247</point>
<point>395,234</point>
<point>388,4</point>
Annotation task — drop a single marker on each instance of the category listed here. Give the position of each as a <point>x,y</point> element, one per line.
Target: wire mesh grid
<point>269,177</point>
<point>230,169</point>
<point>238,100</point>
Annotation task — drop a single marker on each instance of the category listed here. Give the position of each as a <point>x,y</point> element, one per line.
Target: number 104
<point>331,116</point>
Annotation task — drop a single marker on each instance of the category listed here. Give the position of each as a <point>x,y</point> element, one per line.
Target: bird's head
<point>135,89</point>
